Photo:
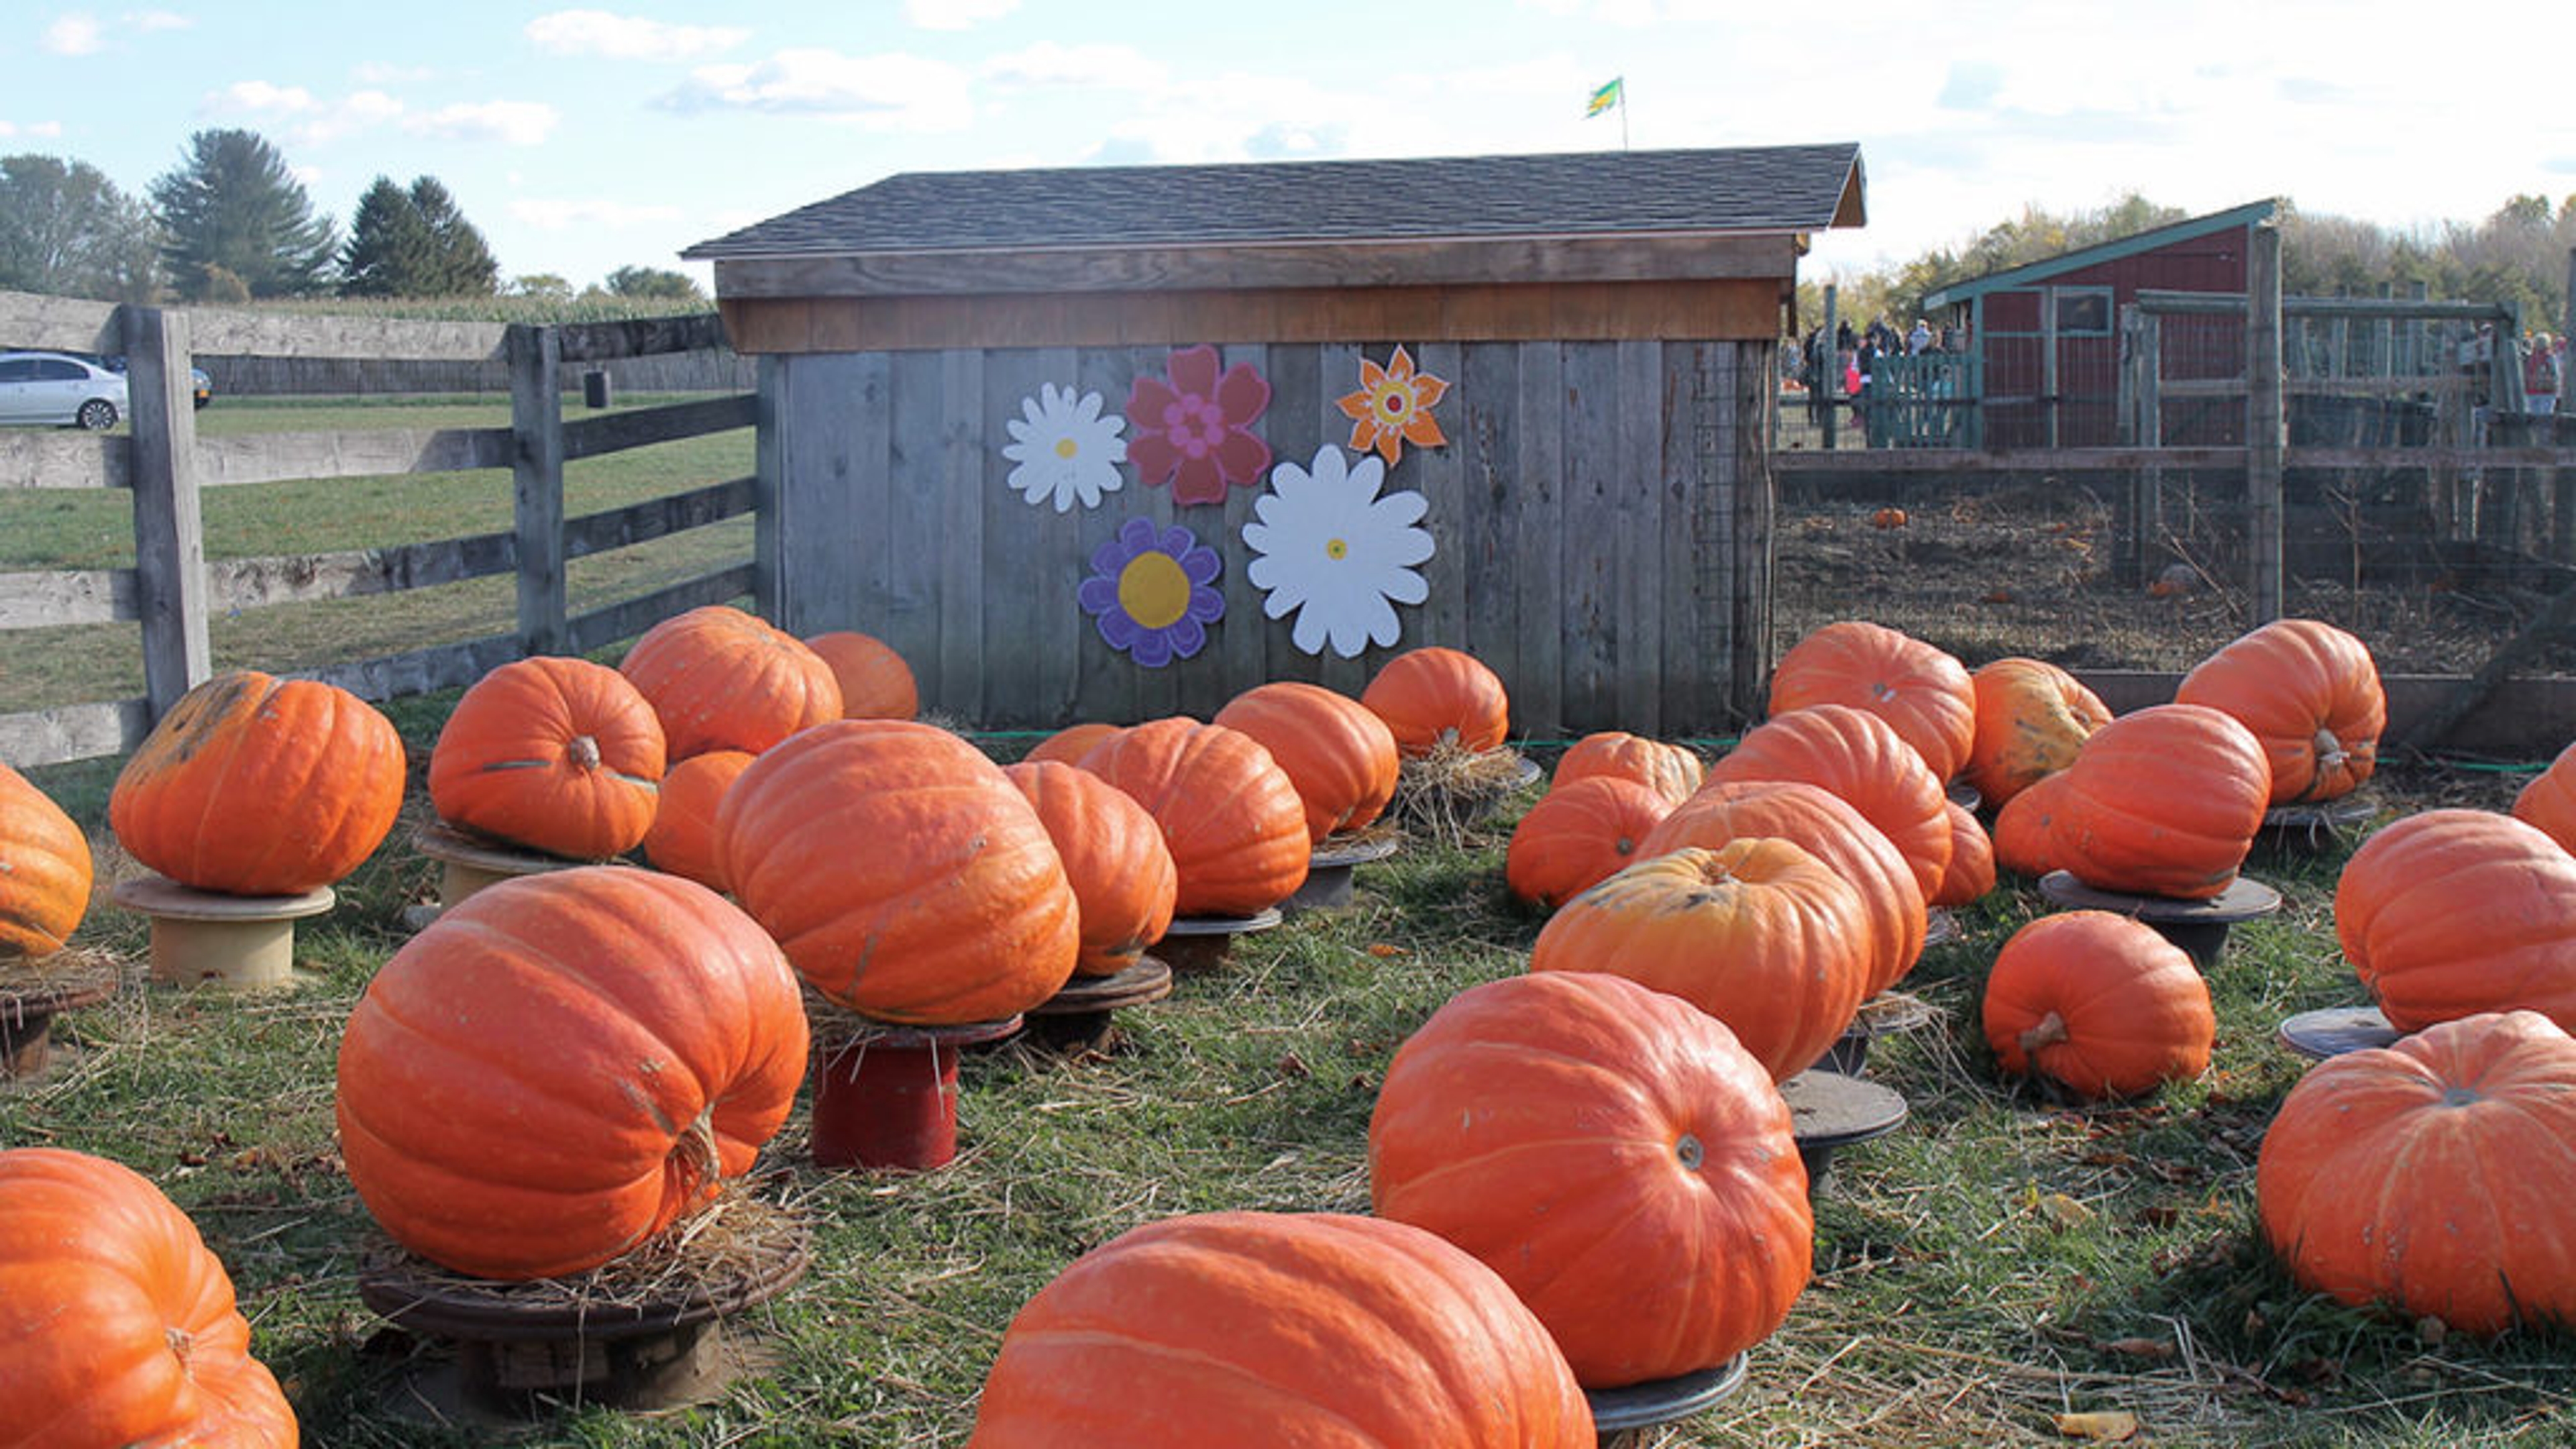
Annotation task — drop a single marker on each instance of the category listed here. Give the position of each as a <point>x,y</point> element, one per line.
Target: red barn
<point>2045,336</point>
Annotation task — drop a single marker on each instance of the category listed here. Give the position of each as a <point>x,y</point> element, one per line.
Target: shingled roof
<point>1730,192</point>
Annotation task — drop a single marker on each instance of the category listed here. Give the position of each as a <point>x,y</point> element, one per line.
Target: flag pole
<point>1623,113</point>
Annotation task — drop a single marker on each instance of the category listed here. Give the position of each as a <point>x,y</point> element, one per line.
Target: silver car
<point>55,387</point>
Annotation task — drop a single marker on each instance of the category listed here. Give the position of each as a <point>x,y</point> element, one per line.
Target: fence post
<point>536,467</point>
<point>2267,425</point>
<point>2141,426</point>
<point>169,524</point>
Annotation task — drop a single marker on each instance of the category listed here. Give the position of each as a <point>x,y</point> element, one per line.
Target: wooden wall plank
<point>914,510</point>
<point>1485,543</point>
<point>1440,476</point>
<point>1637,668</point>
<point>955,676</point>
<point>643,427</point>
<point>1538,689</point>
<point>653,518</point>
<point>65,460</point>
<point>356,453</point>
<point>66,596</point>
<point>1158,691</point>
<point>1592,503</point>
<point>73,732</point>
<point>1297,398</point>
<point>1238,646</point>
<point>1747,495</point>
<point>1105,680</point>
<point>1338,373</point>
<point>1686,657</point>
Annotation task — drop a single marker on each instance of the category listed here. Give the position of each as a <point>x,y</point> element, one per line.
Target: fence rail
<point>172,588</point>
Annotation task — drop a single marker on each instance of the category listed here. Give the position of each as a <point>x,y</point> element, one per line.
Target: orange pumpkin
<point>1114,858</point>
<point>559,755</point>
<point>2547,800</point>
<point>874,681</point>
<point>1337,752</point>
<point>2098,1003</point>
<point>2450,913</point>
<point>2310,693</point>
<point>2433,1175</point>
<point>1888,518</point>
<point>1577,835</point>
<point>1757,933</point>
<point>2022,839</point>
<point>117,1326</point>
<point>2161,802</point>
<point>1433,696</point>
<point>1279,1328</point>
<point>721,679</point>
<point>44,870</point>
<point>1860,757</point>
<point>683,838</point>
<point>1071,743</point>
<point>907,878</point>
<point>1615,1155</point>
<point>256,786</point>
<point>2031,719</point>
<point>1669,770</point>
<point>561,1065</point>
<point>1233,821</point>
<point>1828,828</point>
<point>1972,860</point>
<point>1920,690</point>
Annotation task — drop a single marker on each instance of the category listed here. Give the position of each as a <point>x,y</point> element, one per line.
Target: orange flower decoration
<point>1393,408</point>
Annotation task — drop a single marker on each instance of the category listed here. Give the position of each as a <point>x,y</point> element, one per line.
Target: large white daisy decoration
<point>1334,553</point>
<point>1065,449</point>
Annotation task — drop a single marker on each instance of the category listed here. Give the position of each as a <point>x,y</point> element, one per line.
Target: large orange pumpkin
<point>559,755</point>
<point>1279,1328</point>
<point>2433,1175</point>
<point>117,1326</point>
<point>1578,834</point>
<point>2548,800</point>
<point>561,1065</point>
<point>1337,752</point>
<point>1235,824</point>
<point>1071,743</point>
<point>2310,693</point>
<point>1757,933</point>
<point>906,876</point>
<point>683,838</point>
<point>1434,696</point>
<point>256,786</point>
<point>1860,757</point>
<point>2164,801</point>
<point>1615,1155</point>
<point>874,681</point>
<point>1671,771</point>
<point>2031,719</point>
<point>1921,691</point>
<point>2023,844</point>
<point>1971,873</point>
<point>1828,828</point>
<point>721,679</point>
<point>2099,1004</point>
<point>44,870</point>
<point>2450,913</point>
<point>1114,858</point>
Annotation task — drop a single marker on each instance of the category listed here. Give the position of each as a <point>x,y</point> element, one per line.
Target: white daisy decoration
<point>1065,449</point>
<point>1333,552</point>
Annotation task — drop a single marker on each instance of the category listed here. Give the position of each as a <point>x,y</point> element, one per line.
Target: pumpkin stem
<point>2050,1031</point>
<point>181,1343</point>
<point>584,752</point>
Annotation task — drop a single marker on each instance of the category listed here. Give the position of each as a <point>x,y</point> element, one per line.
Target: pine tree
<point>232,205</point>
<point>463,266</point>
<point>391,252</point>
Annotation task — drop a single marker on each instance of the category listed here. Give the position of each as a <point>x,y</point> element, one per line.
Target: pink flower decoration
<point>1192,429</point>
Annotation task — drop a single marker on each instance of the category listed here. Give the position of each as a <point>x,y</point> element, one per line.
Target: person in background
<point>1919,341</point>
<point>2542,372</point>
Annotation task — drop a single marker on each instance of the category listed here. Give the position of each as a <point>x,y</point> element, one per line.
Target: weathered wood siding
<point>1600,518</point>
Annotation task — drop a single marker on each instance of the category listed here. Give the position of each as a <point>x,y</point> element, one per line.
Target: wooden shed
<point>2046,334</point>
<point>1591,461</point>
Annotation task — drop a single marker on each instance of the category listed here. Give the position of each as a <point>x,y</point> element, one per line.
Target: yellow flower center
<point>1153,590</point>
<point>1336,548</point>
<point>1066,447</point>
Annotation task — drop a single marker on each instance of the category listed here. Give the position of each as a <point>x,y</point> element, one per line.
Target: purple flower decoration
<point>1192,428</point>
<point>1149,591</point>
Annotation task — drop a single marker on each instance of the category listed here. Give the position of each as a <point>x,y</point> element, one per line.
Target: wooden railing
<point>173,589</point>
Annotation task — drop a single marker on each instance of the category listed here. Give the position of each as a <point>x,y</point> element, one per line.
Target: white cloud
<point>1049,64</point>
<point>262,98</point>
<point>628,37</point>
<point>956,14</point>
<point>514,123</point>
<point>11,129</point>
<point>73,34</point>
<point>884,92</point>
<point>565,213</point>
<point>151,20</point>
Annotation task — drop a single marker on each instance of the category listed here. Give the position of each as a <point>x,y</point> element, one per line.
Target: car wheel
<point>98,415</point>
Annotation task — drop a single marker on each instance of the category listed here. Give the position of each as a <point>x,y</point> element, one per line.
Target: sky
<point>580,140</point>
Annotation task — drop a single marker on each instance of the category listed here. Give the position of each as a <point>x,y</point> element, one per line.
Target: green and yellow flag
<point>1604,98</point>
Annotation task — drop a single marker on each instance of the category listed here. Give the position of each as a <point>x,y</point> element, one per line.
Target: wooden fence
<point>173,588</point>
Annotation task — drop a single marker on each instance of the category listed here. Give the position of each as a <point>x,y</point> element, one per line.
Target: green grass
<point>93,529</point>
<point>1996,1261</point>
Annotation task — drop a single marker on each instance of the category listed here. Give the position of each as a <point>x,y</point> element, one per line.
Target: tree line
<point>229,223</point>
